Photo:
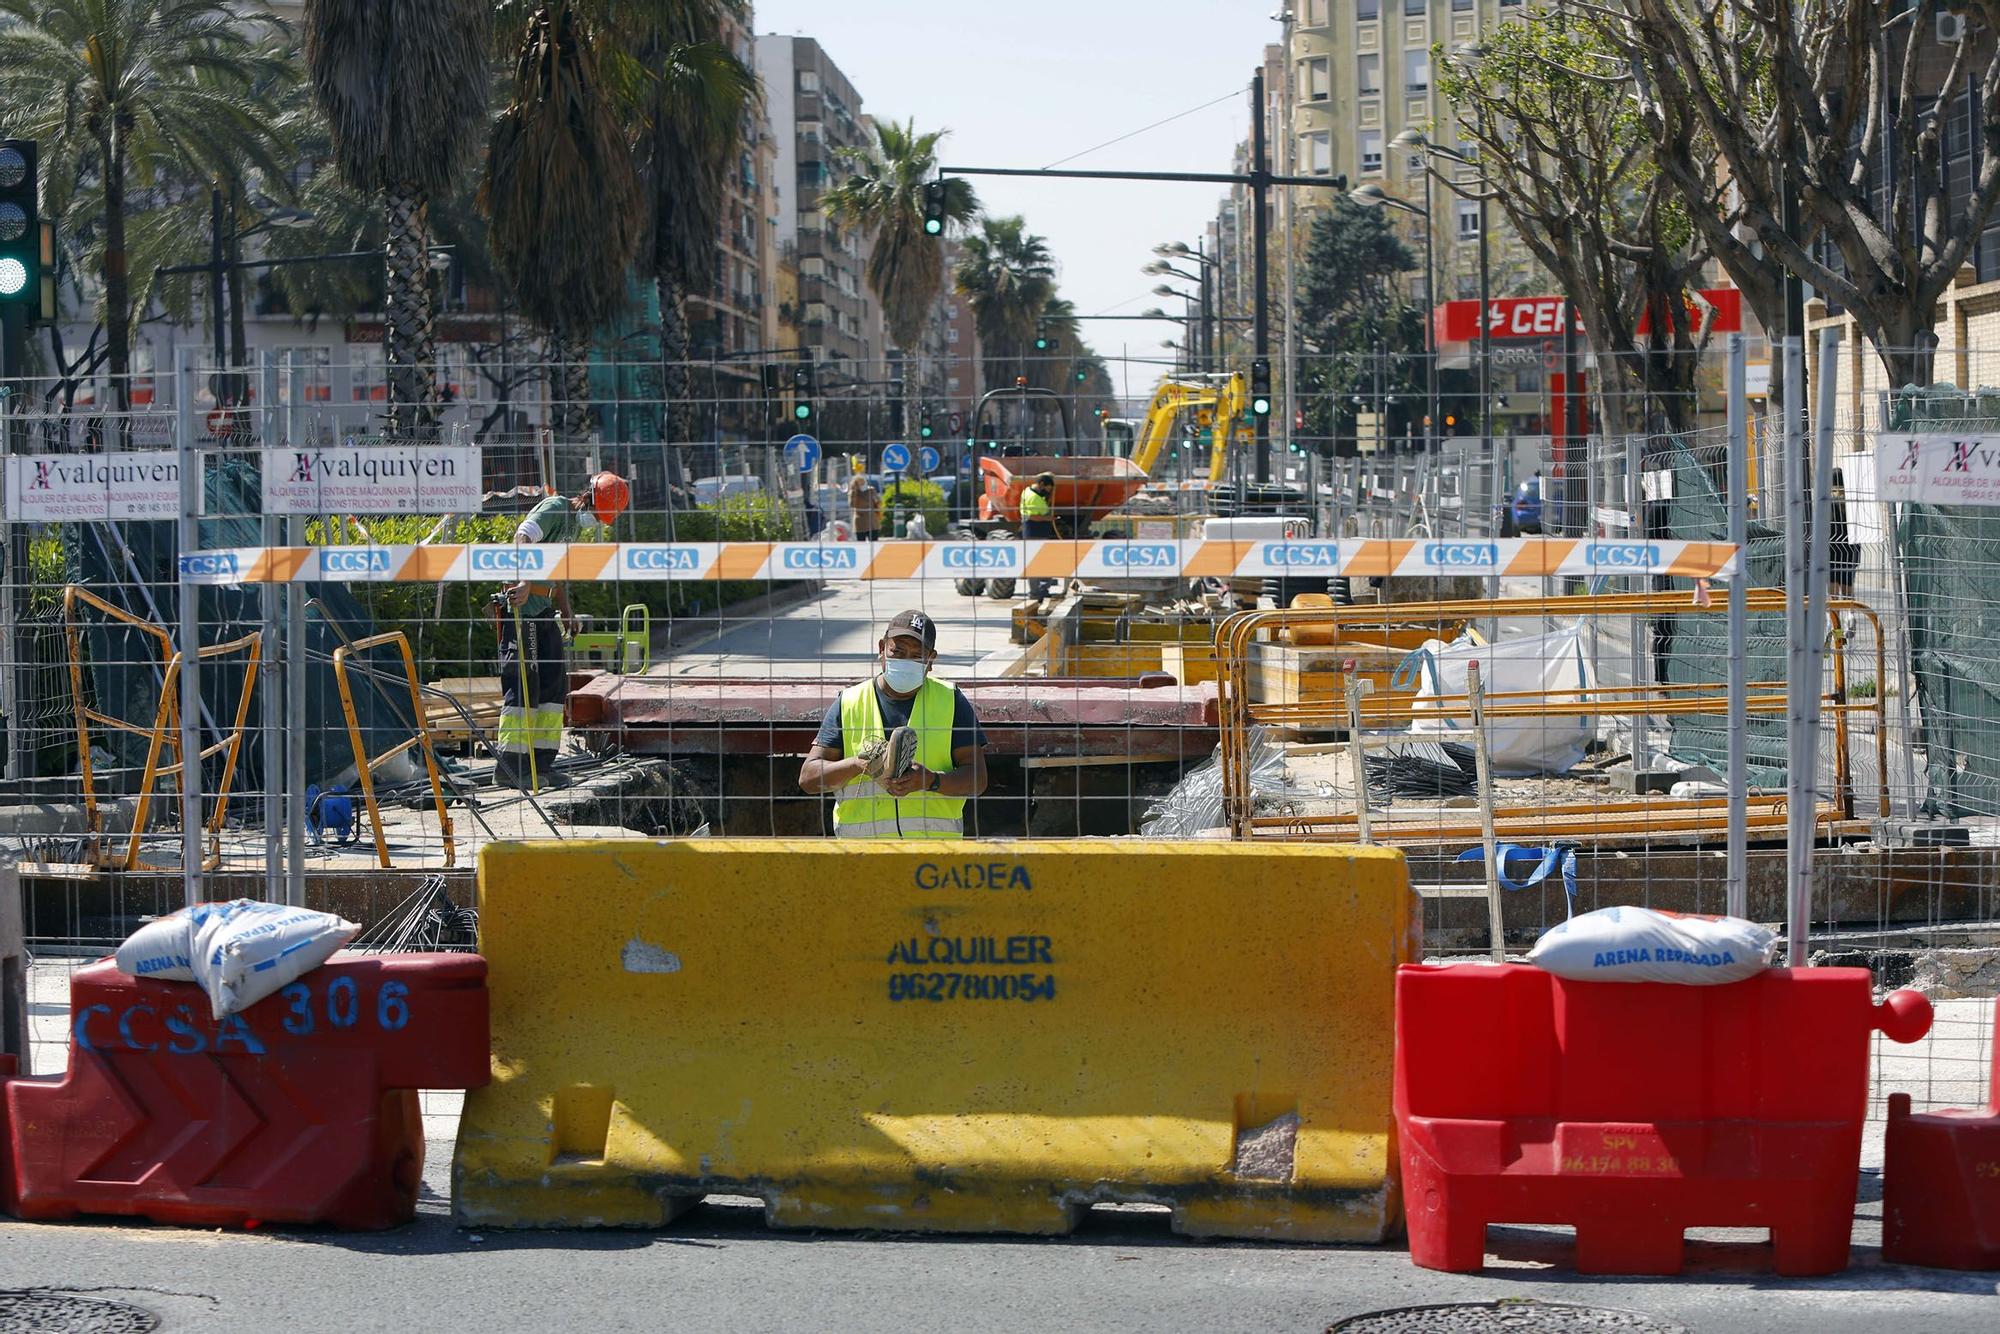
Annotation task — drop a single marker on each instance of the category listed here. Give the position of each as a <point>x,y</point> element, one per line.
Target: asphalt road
<point>720,1269</point>
<point>834,633</point>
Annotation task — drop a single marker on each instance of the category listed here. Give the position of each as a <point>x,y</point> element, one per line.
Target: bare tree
<point>1547,109</point>
<point>1817,96</point>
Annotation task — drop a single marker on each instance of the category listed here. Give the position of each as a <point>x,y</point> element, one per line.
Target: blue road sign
<point>803,451</point>
<point>895,458</point>
<point>930,458</point>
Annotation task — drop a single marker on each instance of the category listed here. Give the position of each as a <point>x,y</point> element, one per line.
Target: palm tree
<point>1007,273</point>
<point>124,95</point>
<point>885,196</point>
<point>562,196</point>
<point>688,144</point>
<point>402,85</point>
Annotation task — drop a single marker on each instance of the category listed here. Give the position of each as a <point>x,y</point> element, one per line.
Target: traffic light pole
<point>1259,178</point>
<point>1260,332</point>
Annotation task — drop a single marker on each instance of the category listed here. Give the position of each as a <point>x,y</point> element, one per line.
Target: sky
<point>1023,83</point>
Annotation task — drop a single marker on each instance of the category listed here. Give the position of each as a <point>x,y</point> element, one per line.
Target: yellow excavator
<point>1218,402</point>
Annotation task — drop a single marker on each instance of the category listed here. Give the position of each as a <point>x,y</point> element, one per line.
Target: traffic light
<point>771,380</point>
<point>924,422</point>
<point>1082,375</point>
<point>1260,387</point>
<point>1043,341</point>
<point>934,208</point>
<point>802,392</point>
<point>20,229</point>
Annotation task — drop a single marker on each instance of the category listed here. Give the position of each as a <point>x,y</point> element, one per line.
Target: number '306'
<point>342,1007</point>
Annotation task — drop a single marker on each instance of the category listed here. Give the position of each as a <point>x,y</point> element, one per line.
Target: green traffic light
<point>13,276</point>
<point>924,431</point>
<point>932,226</point>
<point>802,411</point>
<point>1261,406</point>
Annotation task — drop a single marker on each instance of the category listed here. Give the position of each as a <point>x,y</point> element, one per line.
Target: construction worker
<point>533,620</point>
<point>902,748</point>
<point>1038,521</point>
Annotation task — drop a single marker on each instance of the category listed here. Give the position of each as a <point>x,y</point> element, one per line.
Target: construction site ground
<point>720,1268</point>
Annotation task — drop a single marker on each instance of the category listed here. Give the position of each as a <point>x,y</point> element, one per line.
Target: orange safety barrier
<point>1234,635</point>
<point>364,766</point>
<point>165,731</point>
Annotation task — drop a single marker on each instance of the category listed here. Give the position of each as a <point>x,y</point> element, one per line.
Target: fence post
<point>1809,624</point>
<point>1798,815</point>
<point>190,626</point>
<point>294,656</point>
<point>1737,881</point>
<point>1642,627</point>
<point>273,671</point>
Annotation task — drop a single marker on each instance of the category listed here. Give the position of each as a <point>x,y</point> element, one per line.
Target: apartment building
<point>738,316</point>
<point>1359,73</point>
<point>814,111</point>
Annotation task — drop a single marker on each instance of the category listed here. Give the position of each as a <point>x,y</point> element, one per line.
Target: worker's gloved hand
<point>887,759</point>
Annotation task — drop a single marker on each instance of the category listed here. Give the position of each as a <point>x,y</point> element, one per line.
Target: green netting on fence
<point>1949,559</point>
<point>1697,647</point>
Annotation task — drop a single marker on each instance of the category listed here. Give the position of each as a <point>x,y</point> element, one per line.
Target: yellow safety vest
<point>1034,505</point>
<point>865,809</point>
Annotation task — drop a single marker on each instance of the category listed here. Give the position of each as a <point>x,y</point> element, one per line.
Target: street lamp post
<point>1205,265</point>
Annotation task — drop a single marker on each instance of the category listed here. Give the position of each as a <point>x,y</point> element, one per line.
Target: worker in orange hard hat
<point>533,618</point>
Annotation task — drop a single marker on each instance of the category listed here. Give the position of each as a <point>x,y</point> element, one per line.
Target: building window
<point>951,333</point>
<point>1416,9</point>
<point>1367,11</point>
<point>1368,79</point>
<point>1315,80</point>
<point>1371,152</point>
<point>808,81</point>
<point>1417,70</point>
<point>1461,6</point>
<point>1314,12</point>
<point>1468,220</point>
<point>1316,151</point>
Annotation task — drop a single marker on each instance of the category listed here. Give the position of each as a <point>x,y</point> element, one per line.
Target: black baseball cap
<point>913,625</point>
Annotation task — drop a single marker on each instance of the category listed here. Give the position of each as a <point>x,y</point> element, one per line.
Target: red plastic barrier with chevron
<point>301,1109</point>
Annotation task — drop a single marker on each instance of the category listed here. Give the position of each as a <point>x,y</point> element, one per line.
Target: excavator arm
<point>1231,404</point>
<point>1169,400</point>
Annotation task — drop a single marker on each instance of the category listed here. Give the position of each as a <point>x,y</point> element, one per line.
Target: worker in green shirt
<point>534,618</point>
<point>1038,522</point>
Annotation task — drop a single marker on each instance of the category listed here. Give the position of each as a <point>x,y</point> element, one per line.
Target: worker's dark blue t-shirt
<point>965,729</point>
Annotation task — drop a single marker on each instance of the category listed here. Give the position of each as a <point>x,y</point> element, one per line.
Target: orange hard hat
<point>608,496</point>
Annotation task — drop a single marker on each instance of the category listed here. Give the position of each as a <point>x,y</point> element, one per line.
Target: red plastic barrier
<point>301,1109</point>
<point>1632,1111</point>
<point>1941,1182</point>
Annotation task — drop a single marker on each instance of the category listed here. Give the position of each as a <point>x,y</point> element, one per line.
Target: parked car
<point>1527,506</point>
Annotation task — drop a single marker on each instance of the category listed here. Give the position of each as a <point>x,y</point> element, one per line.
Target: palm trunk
<point>570,387</point>
<point>117,286</point>
<point>406,336</point>
<point>675,427</point>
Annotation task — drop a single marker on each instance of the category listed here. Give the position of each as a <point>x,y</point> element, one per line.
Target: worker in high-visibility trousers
<point>1038,522</point>
<point>902,748</point>
<point>533,620</point>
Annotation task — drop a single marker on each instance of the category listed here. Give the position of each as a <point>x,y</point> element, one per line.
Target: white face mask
<point>902,675</point>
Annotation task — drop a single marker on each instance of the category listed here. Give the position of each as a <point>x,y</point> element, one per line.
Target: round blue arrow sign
<point>930,458</point>
<point>895,458</point>
<point>803,451</point>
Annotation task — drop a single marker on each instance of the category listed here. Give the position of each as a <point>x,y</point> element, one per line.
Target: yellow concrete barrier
<point>939,1036</point>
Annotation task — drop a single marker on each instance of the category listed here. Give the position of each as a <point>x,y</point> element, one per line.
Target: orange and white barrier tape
<point>1137,558</point>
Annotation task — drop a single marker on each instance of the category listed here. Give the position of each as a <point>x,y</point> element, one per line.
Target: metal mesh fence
<point>721,617</point>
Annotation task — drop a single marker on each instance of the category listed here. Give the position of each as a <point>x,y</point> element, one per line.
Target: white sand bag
<point>1628,944</point>
<point>240,951</point>
<point>246,950</point>
<point>162,948</point>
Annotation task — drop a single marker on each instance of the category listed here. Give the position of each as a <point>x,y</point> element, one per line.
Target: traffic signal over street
<point>1260,386</point>
<point>934,208</point>
<point>803,391</point>
<point>20,228</point>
